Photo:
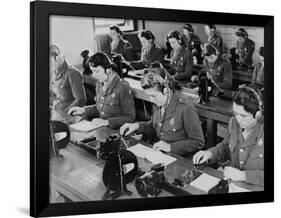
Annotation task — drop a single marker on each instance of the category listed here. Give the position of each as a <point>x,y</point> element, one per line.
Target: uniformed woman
<point>245,48</point>
<point>213,38</point>
<point>175,121</point>
<point>193,42</point>
<point>120,45</point>
<point>66,86</point>
<point>150,51</point>
<point>219,68</point>
<point>114,99</point>
<point>181,57</point>
<point>244,143</point>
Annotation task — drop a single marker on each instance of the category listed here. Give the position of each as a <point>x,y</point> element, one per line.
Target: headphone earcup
<point>258,114</point>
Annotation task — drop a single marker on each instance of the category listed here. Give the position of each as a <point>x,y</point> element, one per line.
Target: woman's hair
<point>101,59</point>
<point>54,50</point>
<point>116,28</point>
<point>211,49</point>
<point>250,98</point>
<point>147,34</point>
<point>188,27</point>
<point>176,35</point>
<point>157,77</point>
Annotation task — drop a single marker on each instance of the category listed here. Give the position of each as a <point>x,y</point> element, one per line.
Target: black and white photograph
<point>150,109</point>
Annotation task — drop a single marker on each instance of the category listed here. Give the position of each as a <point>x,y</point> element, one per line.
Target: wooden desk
<point>78,175</point>
<point>217,111</point>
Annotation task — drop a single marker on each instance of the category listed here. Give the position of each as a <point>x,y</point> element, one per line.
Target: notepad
<point>84,126</point>
<point>205,182</point>
<point>149,154</point>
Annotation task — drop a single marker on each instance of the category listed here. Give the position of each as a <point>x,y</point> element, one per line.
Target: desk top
<point>78,175</point>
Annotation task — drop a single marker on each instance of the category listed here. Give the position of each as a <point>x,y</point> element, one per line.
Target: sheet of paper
<point>153,156</point>
<point>205,182</point>
<point>84,126</point>
<point>235,188</point>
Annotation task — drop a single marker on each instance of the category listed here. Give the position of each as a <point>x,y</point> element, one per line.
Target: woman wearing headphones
<point>120,45</point>
<point>114,99</point>
<point>213,38</point>
<point>175,121</point>
<point>244,143</point>
<point>181,57</point>
<point>220,69</point>
<point>150,51</point>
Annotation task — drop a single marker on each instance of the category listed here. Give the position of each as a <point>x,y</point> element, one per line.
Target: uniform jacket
<point>247,155</point>
<point>116,104</point>
<point>194,45</point>
<point>179,126</point>
<point>216,41</point>
<point>221,72</point>
<point>245,50</point>
<point>181,64</point>
<point>68,88</point>
<point>125,49</point>
<point>154,54</point>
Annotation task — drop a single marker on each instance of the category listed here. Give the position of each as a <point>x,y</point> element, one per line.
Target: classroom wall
<point>72,35</point>
<point>160,29</point>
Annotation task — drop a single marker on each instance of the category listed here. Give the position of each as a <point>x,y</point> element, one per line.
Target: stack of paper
<point>205,182</point>
<point>84,126</point>
<point>149,154</point>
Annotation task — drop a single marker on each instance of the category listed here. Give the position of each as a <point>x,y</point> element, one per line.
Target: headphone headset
<point>177,36</point>
<point>217,52</point>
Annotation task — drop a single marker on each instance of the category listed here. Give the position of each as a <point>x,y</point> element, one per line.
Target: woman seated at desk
<point>120,45</point>
<point>244,143</point>
<point>219,68</point>
<point>114,98</point>
<point>175,121</point>
<point>150,51</point>
<point>181,57</point>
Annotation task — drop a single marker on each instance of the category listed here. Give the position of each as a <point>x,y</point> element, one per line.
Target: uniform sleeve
<point>219,44</point>
<point>159,56</point>
<point>129,53</point>
<point>254,78</point>
<point>145,127</point>
<point>195,138</point>
<point>221,151</point>
<point>78,91</point>
<point>137,64</point>
<point>186,75</point>
<point>128,110</point>
<point>91,111</point>
<point>227,77</point>
<point>249,53</point>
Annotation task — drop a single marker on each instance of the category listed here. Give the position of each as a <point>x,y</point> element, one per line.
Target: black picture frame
<point>39,104</point>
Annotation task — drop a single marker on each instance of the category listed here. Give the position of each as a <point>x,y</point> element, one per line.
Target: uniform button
<point>174,130</point>
<point>102,98</point>
<point>160,124</point>
<point>61,86</point>
<point>261,155</point>
<point>241,162</point>
<point>102,112</point>
<point>111,103</point>
<point>101,105</point>
<point>161,133</point>
<point>241,150</point>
